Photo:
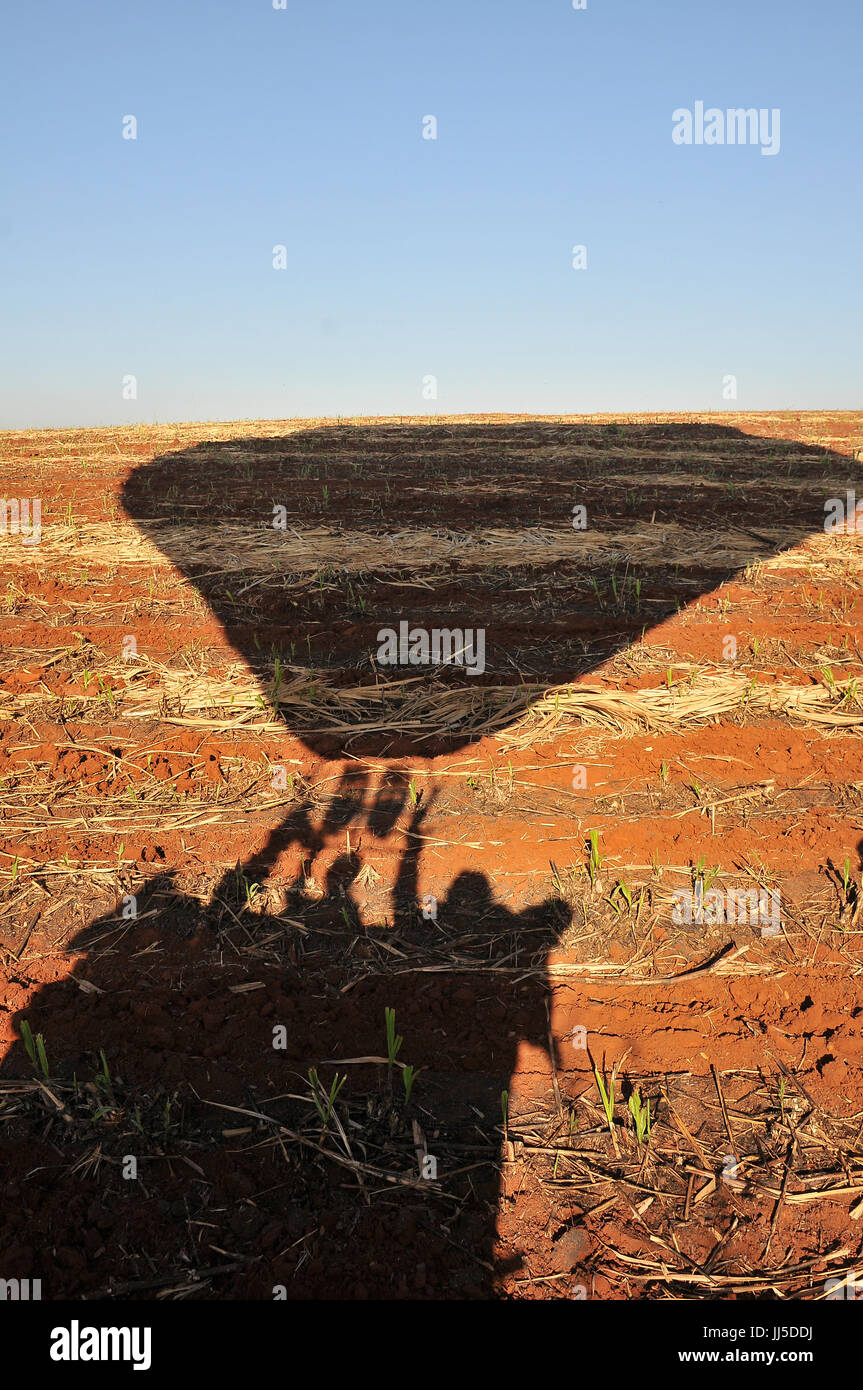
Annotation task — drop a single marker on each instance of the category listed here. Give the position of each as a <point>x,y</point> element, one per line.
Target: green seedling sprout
<point>409,1076</point>
<point>704,875</point>
<point>595,861</point>
<point>325,1100</point>
<point>640,1111</point>
<point>607,1095</point>
<point>103,1078</point>
<point>625,893</point>
<point>35,1049</point>
<point>394,1042</point>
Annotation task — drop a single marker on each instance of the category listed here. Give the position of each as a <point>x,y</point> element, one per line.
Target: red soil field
<point>233,839</point>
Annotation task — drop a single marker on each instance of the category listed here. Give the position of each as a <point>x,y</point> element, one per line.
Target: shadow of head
<point>404,589</point>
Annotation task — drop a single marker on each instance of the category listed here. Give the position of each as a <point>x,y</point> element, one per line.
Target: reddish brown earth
<point>299,906</point>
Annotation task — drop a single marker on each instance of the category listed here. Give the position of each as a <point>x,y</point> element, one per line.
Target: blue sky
<point>409,258</point>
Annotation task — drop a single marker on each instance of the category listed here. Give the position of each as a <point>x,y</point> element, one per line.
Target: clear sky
<point>409,258</point>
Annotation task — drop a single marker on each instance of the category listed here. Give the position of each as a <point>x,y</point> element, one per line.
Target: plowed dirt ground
<point>231,839</point>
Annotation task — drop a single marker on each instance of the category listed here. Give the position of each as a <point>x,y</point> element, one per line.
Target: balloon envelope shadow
<point>452,573</point>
